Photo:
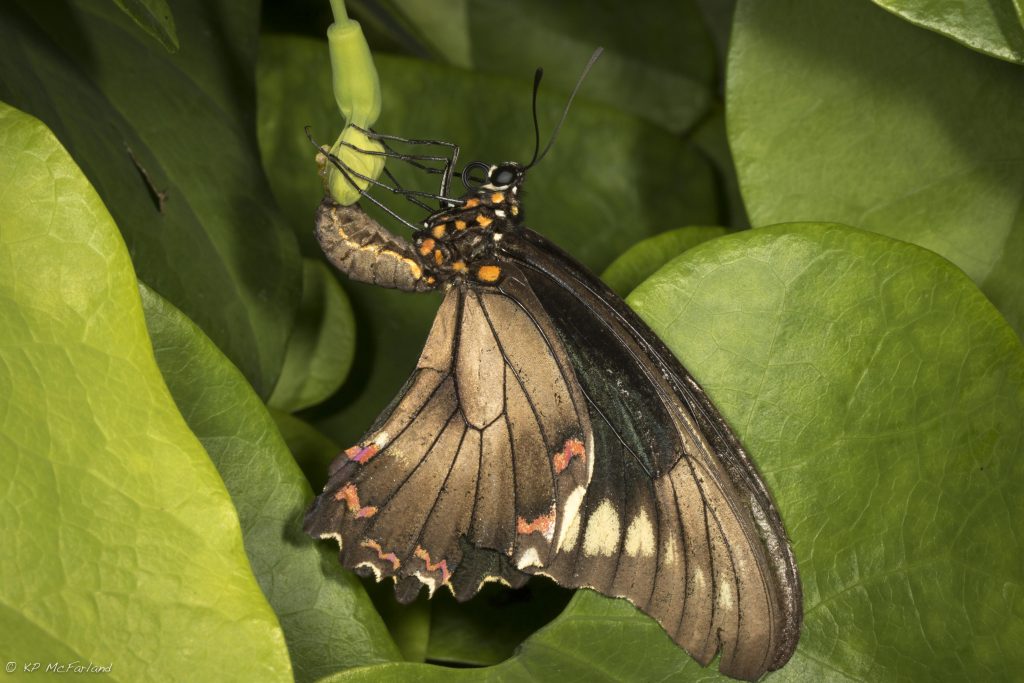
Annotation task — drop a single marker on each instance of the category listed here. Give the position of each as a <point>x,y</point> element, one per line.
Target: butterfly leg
<point>451,159</point>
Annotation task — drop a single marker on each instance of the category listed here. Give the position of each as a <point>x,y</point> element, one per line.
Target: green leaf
<point>992,27</point>
<point>328,620</point>
<point>168,142</point>
<point>121,545</point>
<point>644,258</point>
<point>658,64</point>
<point>320,350</point>
<point>155,18</point>
<point>840,111</point>
<point>312,450</point>
<point>881,396</point>
<point>718,17</point>
<point>488,629</point>
<point>710,136</point>
<point>574,198</point>
<point>409,624</point>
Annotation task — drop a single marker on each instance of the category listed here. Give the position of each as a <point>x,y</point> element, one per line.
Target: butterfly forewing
<point>671,520</point>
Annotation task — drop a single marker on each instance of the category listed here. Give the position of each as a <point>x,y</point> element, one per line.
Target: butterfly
<point>547,430</point>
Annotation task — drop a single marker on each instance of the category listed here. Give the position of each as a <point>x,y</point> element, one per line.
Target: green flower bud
<point>370,165</point>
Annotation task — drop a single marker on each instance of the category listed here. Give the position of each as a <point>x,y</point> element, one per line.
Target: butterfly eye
<point>503,176</point>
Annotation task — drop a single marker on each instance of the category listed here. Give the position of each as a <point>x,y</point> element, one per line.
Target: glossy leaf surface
<point>843,112</point>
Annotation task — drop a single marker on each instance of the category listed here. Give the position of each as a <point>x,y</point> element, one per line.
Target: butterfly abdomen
<point>358,246</point>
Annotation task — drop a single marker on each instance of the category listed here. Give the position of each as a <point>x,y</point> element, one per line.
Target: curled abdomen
<point>361,248</point>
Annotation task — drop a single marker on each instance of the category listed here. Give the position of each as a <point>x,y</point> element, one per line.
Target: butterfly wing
<point>675,517</point>
<point>547,430</point>
<point>458,482</point>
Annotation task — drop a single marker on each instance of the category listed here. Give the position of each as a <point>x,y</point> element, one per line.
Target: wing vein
<point>440,490</point>
<point>426,453</point>
<point>657,544</point>
<point>419,409</point>
<point>508,365</point>
<point>683,554</point>
<point>569,381</point>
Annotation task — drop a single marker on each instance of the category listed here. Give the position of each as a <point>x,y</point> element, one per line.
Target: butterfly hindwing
<point>462,479</point>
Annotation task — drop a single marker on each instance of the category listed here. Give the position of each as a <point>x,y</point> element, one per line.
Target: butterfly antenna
<point>536,126</point>
<point>565,112</point>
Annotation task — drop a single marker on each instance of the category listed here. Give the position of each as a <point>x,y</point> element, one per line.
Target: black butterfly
<point>547,430</point>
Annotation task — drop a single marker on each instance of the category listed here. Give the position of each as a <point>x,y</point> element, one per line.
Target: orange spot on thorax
<point>488,273</point>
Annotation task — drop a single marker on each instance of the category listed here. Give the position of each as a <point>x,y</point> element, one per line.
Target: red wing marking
<point>390,557</point>
<point>350,494</point>
<point>544,525</point>
<point>433,566</point>
<point>573,448</point>
<point>361,454</point>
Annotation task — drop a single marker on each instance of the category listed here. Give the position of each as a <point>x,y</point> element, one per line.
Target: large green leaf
<point>992,27</point>
<point>841,111</point>
<point>121,545</point>
<point>155,18</point>
<point>710,136</point>
<point>718,17</point>
<point>659,64</point>
<point>574,197</point>
<point>882,398</point>
<point>312,450</point>
<point>647,256</point>
<point>320,350</point>
<point>409,624</point>
<point>327,618</point>
<point>146,124</point>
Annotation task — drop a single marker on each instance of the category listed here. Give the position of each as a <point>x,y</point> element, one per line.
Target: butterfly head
<point>507,176</point>
<point>495,195</point>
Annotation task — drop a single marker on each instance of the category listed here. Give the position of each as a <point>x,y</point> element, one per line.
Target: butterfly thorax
<point>458,243</point>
